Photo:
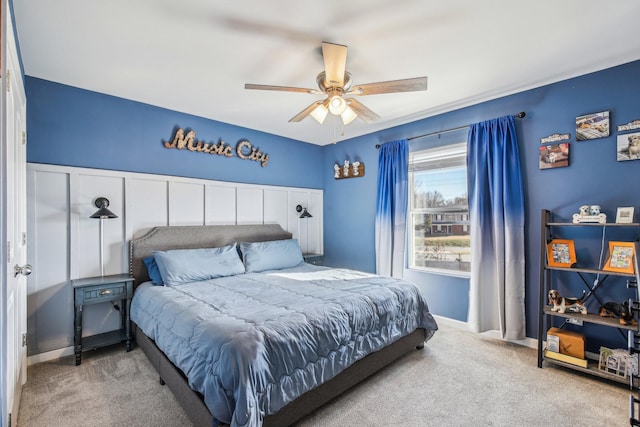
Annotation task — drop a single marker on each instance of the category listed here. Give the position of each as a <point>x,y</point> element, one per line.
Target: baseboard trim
<point>527,342</point>
<point>49,355</point>
<point>458,324</point>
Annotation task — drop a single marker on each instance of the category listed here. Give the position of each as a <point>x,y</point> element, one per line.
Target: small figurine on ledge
<point>355,165</point>
<point>562,304</point>
<point>345,171</point>
<point>589,214</point>
<point>621,311</point>
<point>336,170</point>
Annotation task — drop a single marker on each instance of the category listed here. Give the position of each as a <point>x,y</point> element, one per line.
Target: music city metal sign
<point>243,150</point>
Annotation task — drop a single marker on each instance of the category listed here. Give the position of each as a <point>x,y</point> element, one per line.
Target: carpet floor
<point>458,379</point>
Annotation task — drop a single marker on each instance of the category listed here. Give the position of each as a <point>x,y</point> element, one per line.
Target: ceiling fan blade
<point>281,88</point>
<point>304,113</point>
<point>363,112</point>
<point>335,62</point>
<point>404,85</point>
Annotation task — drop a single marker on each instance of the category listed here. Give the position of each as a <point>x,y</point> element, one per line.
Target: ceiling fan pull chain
<point>335,140</point>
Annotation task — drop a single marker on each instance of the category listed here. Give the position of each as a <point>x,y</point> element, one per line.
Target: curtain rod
<point>520,115</point>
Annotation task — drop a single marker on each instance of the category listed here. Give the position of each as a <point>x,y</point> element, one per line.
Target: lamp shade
<point>102,203</point>
<point>337,104</point>
<point>303,212</point>
<point>348,115</point>
<point>319,113</point>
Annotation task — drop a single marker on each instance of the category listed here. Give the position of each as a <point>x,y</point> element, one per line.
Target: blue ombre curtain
<point>496,213</point>
<point>391,207</point>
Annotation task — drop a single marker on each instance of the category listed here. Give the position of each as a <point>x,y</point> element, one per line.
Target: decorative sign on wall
<point>244,150</point>
<point>632,125</point>
<point>556,137</point>
<point>348,170</point>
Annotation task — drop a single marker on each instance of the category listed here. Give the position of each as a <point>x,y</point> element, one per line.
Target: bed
<point>263,346</point>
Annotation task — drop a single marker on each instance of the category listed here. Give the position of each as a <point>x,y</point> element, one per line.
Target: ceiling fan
<point>335,82</point>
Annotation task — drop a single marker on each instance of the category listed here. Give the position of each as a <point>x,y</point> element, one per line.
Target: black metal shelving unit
<point>546,315</point>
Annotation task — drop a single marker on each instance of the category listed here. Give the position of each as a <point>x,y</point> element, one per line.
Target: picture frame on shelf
<point>624,215</point>
<point>561,253</point>
<point>620,258</point>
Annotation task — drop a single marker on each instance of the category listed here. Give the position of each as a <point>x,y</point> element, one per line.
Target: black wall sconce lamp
<point>303,212</point>
<point>102,203</point>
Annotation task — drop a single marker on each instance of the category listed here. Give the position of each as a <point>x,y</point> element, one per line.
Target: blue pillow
<point>189,265</point>
<point>272,255</point>
<point>152,270</point>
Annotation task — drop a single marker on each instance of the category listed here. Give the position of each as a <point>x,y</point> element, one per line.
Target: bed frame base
<point>200,416</point>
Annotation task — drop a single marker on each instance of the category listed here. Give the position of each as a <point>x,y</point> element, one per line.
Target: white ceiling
<point>195,56</point>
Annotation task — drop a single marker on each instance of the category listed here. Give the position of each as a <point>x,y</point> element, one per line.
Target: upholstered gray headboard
<point>192,237</point>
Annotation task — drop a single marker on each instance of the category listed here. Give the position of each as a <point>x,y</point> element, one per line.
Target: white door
<point>14,136</point>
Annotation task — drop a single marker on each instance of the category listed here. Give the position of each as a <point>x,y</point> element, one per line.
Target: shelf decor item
<point>620,257</point>
<point>583,363</point>
<point>624,215</point>
<point>571,343</point>
<point>561,253</point>
<point>589,213</point>
<point>618,362</point>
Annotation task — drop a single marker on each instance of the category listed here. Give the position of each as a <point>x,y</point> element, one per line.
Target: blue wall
<point>74,127</point>
<point>593,177</point>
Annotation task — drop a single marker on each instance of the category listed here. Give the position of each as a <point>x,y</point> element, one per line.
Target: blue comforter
<point>252,343</point>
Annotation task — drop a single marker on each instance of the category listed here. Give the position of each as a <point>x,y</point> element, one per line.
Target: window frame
<point>460,147</point>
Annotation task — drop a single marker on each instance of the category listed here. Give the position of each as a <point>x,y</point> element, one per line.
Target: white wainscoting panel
<point>84,190</point>
<point>146,205</point>
<point>64,242</point>
<point>47,286</point>
<point>276,208</point>
<point>221,205</point>
<point>315,225</point>
<point>250,208</point>
<point>187,203</point>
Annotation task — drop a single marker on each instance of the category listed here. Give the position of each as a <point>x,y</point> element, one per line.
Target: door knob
<point>25,270</point>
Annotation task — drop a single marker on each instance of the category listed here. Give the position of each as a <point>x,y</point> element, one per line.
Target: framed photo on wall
<point>628,147</point>
<point>561,253</point>
<point>592,126</point>
<point>554,156</point>
<point>620,257</point>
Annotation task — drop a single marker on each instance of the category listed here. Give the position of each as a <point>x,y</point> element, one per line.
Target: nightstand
<point>315,259</point>
<point>95,290</point>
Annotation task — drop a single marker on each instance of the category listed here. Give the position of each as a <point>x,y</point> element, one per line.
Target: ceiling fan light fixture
<point>337,105</point>
<point>319,113</point>
<point>348,115</point>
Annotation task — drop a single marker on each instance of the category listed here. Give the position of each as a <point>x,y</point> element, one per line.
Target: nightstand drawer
<point>104,293</point>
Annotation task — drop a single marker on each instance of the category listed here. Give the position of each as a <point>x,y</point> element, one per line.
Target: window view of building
<point>439,209</point>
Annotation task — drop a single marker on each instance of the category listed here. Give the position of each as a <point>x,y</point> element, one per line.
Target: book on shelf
<point>566,358</point>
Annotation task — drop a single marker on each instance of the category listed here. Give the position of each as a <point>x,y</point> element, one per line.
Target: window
<point>439,210</point>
